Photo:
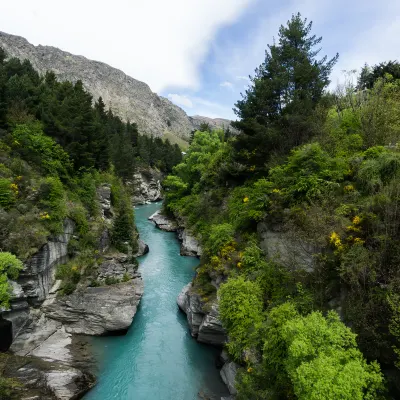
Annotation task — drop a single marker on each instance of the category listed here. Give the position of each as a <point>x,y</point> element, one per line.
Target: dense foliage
<point>298,215</point>
<point>56,149</point>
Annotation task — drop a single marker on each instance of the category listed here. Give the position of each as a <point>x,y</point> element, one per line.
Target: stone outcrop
<point>129,98</point>
<point>45,380</point>
<point>204,326</point>
<point>164,223</point>
<point>37,277</point>
<point>146,185</point>
<point>116,266</point>
<point>287,248</point>
<point>143,249</point>
<point>97,310</point>
<point>190,245</point>
<point>104,197</point>
<point>228,374</point>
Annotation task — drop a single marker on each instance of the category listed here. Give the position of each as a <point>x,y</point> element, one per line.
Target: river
<point>157,359</point>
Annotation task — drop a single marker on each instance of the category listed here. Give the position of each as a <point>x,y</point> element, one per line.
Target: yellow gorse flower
<point>335,240</point>
<point>245,200</point>
<point>249,369</point>
<point>349,188</point>
<point>356,220</point>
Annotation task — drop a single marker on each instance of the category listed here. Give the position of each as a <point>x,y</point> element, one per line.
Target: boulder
<point>205,326</point>
<point>97,310</point>
<point>228,374</point>
<point>143,249</point>
<point>211,330</point>
<point>190,246</point>
<point>164,223</point>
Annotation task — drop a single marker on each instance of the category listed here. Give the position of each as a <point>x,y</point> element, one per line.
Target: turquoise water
<point>157,359</point>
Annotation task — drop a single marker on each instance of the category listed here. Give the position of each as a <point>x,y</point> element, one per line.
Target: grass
<point>183,144</point>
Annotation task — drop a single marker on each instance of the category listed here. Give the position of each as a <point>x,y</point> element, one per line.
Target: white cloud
<point>226,84</point>
<point>159,42</point>
<point>243,78</point>
<point>181,100</point>
<point>196,105</point>
<point>366,32</point>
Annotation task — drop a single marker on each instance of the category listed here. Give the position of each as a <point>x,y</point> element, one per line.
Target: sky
<point>200,53</point>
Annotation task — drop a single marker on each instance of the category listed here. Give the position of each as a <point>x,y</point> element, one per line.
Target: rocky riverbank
<point>41,326</point>
<point>203,320</point>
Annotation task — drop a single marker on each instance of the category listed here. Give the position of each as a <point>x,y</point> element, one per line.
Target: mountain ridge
<point>128,97</point>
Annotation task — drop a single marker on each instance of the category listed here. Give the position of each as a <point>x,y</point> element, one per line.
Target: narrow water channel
<point>157,359</point>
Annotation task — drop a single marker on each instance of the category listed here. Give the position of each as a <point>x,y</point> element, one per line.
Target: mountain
<point>128,98</point>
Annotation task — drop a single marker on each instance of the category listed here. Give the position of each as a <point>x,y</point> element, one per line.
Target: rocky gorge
<point>41,326</point>
<point>203,319</point>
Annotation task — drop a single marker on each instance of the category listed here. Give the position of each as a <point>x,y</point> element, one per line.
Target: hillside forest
<point>57,146</point>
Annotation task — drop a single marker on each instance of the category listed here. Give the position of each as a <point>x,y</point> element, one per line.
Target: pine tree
<point>274,112</point>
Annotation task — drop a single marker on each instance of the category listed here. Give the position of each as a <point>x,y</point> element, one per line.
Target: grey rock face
<point>190,245</point>
<point>97,310</point>
<point>162,222</point>
<point>104,197</point>
<point>37,276</point>
<point>228,375</point>
<point>206,327</point>
<point>128,97</point>
<point>143,248</point>
<point>211,330</point>
<point>116,266</point>
<point>43,380</point>
<point>286,249</point>
<point>146,187</point>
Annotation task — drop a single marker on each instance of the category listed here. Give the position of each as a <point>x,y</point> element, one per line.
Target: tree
<point>275,111</point>
<point>369,75</point>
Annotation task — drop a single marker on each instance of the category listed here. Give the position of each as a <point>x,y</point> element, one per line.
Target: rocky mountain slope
<point>127,97</point>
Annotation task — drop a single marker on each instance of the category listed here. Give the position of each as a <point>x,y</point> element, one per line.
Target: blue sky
<point>199,53</point>
<point>361,31</point>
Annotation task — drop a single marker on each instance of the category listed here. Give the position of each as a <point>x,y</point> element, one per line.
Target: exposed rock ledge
<point>146,185</point>
<point>228,374</point>
<point>190,245</point>
<point>206,327</point>
<point>164,223</point>
<point>97,310</point>
<point>143,249</point>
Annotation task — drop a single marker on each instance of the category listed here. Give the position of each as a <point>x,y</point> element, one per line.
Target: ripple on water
<point>157,359</point>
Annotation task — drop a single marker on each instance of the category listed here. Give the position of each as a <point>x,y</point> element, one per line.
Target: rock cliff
<point>129,98</point>
<point>204,325</point>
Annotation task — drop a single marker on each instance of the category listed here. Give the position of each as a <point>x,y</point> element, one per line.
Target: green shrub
<point>10,267</point>
<point>53,204</point>
<point>8,193</point>
<point>35,146</point>
<point>219,236</point>
<point>241,310</point>
<point>68,288</point>
<point>111,280</point>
